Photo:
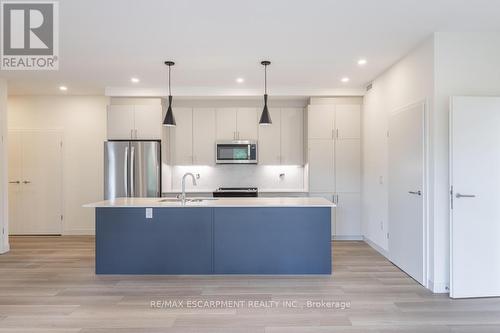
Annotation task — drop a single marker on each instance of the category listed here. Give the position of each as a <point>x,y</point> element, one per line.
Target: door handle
<point>26,182</point>
<point>125,171</point>
<point>458,196</point>
<point>15,182</point>
<point>415,192</point>
<point>132,167</point>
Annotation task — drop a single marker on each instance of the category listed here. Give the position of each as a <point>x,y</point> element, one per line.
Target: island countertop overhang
<point>219,202</point>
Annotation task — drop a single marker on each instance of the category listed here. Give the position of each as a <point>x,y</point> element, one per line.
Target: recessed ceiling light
<point>134,80</point>
<point>63,88</point>
<point>345,79</point>
<point>240,80</point>
<point>362,62</point>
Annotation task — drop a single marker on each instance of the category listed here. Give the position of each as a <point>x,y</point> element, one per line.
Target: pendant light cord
<point>265,79</point>
<point>169,90</point>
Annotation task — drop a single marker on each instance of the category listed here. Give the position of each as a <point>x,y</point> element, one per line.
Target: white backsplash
<point>265,177</point>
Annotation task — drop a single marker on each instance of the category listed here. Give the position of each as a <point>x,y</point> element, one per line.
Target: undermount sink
<point>189,200</point>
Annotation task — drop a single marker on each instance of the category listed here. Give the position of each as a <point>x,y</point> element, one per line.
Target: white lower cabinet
<point>348,216</point>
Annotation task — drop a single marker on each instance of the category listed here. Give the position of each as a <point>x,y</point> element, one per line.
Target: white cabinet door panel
<point>348,214</point>
<point>204,136</point>
<point>292,136</point>
<point>269,140</point>
<point>247,124</point>
<point>181,137</point>
<point>321,166</point>
<point>321,121</point>
<point>120,122</point>
<point>348,165</point>
<point>226,123</point>
<point>348,121</point>
<point>148,122</point>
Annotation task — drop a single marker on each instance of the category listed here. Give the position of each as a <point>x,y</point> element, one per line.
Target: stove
<point>235,192</point>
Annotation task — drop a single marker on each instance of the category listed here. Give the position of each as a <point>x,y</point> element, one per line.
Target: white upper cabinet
<point>237,123</point>
<point>204,136</point>
<point>148,122</point>
<point>134,122</point>
<point>269,147</point>
<point>181,137</point>
<point>348,165</point>
<point>120,122</point>
<point>247,123</point>
<point>292,136</point>
<point>321,121</point>
<point>321,165</point>
<point>226,123</point>
<point>348,121</point>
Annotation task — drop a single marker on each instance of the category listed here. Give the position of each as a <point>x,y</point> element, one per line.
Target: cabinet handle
<point>135,131</point>
<point>15,182</point>
<point>337,133</point>
<point>131,133</point>
<point>333,134</point>
<point>26,182</point>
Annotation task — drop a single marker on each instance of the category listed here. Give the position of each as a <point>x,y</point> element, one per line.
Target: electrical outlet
<point>149,213</point>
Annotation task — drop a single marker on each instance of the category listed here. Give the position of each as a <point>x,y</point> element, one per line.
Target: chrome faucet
<point>182,196</point>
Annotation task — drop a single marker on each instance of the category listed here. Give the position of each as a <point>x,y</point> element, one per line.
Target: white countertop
<point>218,202</point>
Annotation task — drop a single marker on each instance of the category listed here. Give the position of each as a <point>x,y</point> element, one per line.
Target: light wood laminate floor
<point>47,284</point>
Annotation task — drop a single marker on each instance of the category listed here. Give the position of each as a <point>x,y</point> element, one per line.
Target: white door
<point>292,136</point>
<point>15,170</point>
<point>348,121</point>
<point>247,124</point>
<point>226,123</point>
<point>406,192</point>
<point>37,201</point>
<point>475,213</point>
<point>181,137</point>
<point>204,136</point>
<point>321,166</point>
<point>148,122</point>
<point>120,122</point>
<point>269,140</point>
<point>321,121</point>
<point>348,165</point>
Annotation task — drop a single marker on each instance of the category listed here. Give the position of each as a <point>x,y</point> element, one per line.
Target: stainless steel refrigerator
<point>132,169</point>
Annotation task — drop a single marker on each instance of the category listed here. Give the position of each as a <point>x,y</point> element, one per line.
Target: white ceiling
<point>311,44</point>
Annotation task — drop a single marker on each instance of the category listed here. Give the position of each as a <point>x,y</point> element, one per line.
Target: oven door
<point>234,152</point>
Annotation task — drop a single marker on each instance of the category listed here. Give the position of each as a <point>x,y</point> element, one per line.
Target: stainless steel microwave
<point>236,152</point>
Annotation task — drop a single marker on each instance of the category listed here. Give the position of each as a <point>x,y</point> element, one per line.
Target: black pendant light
<point>169,116</point>
<point>265,117</point>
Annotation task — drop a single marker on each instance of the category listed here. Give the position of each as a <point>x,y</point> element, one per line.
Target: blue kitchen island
<point>213,236</point>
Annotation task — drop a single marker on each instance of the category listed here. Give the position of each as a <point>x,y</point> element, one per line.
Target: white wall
<point>408,81</point>
<point>83,122</point>
<point>4,239</point>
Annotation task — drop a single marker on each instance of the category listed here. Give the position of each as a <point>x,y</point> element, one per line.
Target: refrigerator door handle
<point>125,171</point>
<point>132,171</point>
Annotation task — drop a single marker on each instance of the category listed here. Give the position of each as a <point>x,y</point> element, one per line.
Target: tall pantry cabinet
<point>334,163</point>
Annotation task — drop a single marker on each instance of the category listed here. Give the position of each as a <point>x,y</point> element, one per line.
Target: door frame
<point>424,103</point>
<point>61,133</point>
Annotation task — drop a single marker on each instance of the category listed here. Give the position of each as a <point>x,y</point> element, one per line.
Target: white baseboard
<point>5,249</point>
<point>79,232</point>
<point>439,287</point>
<point>347,238</point>
<point>377,248</point>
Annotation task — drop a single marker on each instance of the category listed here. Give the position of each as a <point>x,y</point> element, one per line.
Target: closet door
<point>39,198</point>
<point>15,151</point>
